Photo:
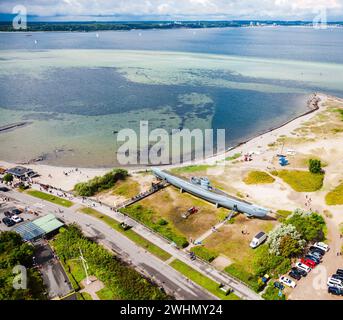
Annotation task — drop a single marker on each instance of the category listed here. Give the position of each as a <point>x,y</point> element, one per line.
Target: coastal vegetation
<point>132,235</point>
<point>156,222</point>
<point>127,188</point>
<point>50,198</point>
<point>98,184</point>
<point>335,196</point>
<point>13,252</point>
<point>124,282</point>
<point>191,169</point>
<point>234,157</point>
<point>301,181</point>
<point>258,177</point>
<point>201,280</point>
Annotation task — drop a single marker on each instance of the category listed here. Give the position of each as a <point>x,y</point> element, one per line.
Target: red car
<point>308,262</point>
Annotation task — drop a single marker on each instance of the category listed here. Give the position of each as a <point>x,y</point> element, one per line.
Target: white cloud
<point>201,9</point>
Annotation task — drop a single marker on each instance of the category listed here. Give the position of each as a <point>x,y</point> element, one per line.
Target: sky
<point>177,9</point>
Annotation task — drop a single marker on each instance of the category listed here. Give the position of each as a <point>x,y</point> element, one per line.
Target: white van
<point>303,267</point>
<point>258,240</point>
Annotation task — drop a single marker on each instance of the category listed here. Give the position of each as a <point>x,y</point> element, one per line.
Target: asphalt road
<point>171,280</point>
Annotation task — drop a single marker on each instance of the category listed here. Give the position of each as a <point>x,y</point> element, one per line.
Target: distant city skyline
<point>150,10</point>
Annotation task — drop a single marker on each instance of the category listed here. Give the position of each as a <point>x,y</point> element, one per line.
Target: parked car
<point>288,282</point>
<point>332,282</point>
<point>313,258</point>
<point>339,271</point>
<point>303,267</point>
<point>316,254</point>
<point>279,285</point>
<point>8,222</point>
<point>308,262</point>
<point>320,251</point>
<point>8,214</point>
<point>335,291</point>
<point>338,276</point>
<point>302,272</point>
<point>295,274</point>
<point>4,189</point>
<point>322,245</point>
<point>16,211</point>
<point>258,240</point>
<point>16,219</point>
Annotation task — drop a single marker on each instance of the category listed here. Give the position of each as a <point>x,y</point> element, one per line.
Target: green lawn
<point>191,169</point>
<point>152,248</point>
<point>238,271</point>
<point>201,280</point>
<point>302,181</point>
<point>234,157</point>
<point>106,294</point>
<point>50,198</point>
<point>335,197</point>
<point>83,296</point>
<point>258,177</point>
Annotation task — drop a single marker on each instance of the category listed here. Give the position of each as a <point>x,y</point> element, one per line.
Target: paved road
<point>172,281</point>
<point>241,290</point>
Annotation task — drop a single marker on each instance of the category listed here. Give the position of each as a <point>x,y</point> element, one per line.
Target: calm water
<point>244,80</point>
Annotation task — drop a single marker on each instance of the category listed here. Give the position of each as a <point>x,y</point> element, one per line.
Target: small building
<point>21,173</point>
<point>39,228</point>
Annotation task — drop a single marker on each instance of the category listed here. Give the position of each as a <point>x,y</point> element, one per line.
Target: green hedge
<point>98,184</point>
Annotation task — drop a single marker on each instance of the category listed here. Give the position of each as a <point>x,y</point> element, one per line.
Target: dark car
<point>295,275</point>
<point>313,258</point>
<point>303,273</point>
<point>8,222</point>
<point>16,211</point>
<point>4,189</point>
<point>335,291</point>
<point>322,252</point>
<point>279,285</point>
<point>339,271</point>
<point>338,276</point>
<point>8,214</point>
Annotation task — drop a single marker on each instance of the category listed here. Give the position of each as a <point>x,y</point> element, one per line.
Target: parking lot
<point>8,204</point>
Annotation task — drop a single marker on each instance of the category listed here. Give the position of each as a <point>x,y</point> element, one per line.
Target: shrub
<point>311,226</point>
<point>315,166</point>
<point>204,253</point>
<point>8,177</point>
<point>285,241</point>
<point>272,293</point>
<point>98,184</point>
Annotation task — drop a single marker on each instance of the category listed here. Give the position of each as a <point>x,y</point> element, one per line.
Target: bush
<point>204,253</point>
<point>8,178</point>
<point>98,184</point>
<point>285,241</point>
<point>311,226</point>
<point>315,166</point>
<point>272,293</point>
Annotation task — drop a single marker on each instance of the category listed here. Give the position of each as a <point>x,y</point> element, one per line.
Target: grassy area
<point>201,280</point>
<point>204,253</point>
<point>50,198</point>
<point>106,294</point>
<point>156,222</point>
<point>83,296</point>
<point>234,157</point>
<point>191,169</point>
<point>301,181</point>
<point>258,177</point>
<point>239,272</point>
<point>283,214</point>
<point>155,250</point>
<point>335,197</point>
<point>127,188</point>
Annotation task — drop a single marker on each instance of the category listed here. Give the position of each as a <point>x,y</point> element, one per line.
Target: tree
<point>8,178</point>
<point>285,241</point>
<point>315,166</point>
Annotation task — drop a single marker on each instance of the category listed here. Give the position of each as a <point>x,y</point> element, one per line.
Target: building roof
<point>38,228</point>
<point>19,171</point>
